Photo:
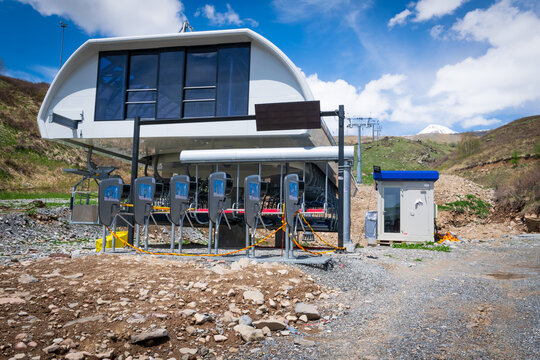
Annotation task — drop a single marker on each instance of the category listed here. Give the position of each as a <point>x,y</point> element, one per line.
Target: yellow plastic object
<point>118,243</point>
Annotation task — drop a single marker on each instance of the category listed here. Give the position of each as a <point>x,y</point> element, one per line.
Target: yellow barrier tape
<point>320,238</point>
<point>182,254</point>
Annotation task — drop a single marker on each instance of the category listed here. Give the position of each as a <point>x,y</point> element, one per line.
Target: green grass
<point>397,153</point>
<point>423,246</point>
<point>417,259</point>
<point>17,195</point>
<point>469,204</point>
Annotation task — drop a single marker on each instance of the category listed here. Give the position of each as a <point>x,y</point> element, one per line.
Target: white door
<point>416,215</point>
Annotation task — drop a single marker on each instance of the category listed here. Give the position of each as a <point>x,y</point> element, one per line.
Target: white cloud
<point>230,17</point>
<point>47,72</point>
<point>436,31</point>
<point>425,10</point>
<point>116,17</point>
<point>507,75</point>
<point>400,19</point>
<point>468,93</point>
<point>478,121</point>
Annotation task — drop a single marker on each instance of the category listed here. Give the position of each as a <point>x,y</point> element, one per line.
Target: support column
<point>341,163</point>
<point>347,242</point>
<point>359,157</point>
<point>134,171</point>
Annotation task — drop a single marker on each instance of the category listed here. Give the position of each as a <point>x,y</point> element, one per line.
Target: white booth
<point>406,209</point>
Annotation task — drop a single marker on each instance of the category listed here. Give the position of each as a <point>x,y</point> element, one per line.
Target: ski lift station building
<point>201,90</point>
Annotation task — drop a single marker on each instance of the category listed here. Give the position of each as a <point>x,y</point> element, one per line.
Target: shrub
<point>514,159</point>
<point>468,145</point>
<point>522,193</point>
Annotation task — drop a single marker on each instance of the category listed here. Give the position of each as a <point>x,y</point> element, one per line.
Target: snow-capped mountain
<point>436,129</point>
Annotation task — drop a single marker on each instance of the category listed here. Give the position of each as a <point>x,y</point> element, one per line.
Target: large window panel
<point>201,68</point>
<point>233,81</point>
<point>143,74</point>
<point>199,109</point>
<point>171,84</point>
<point>110,93</point>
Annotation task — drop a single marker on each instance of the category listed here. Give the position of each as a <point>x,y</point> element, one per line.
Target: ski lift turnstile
<point>179,204</point>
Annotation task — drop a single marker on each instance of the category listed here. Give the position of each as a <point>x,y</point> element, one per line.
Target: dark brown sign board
<point>288,116</point>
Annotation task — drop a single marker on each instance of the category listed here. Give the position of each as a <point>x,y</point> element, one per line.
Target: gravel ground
<point>481,300</point>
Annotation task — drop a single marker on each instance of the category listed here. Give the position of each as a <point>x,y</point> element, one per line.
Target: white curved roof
<point>92,46</point>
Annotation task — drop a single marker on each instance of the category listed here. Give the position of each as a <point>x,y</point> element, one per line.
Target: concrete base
<point>350,247</point>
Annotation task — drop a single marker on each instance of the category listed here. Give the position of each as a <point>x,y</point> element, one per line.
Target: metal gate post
<point>359,158</point>
<point>173,231</point>
<point>341,120</point>
<point>347,207</point>
<point>134,170</point>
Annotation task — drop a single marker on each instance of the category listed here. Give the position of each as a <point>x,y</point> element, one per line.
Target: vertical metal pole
<point>280,183</point>
<point>104,238</point>
<point>63,26</point>
<point>341,118</point>
<point>134,168</point>
<point>196,187</point>
<point>173,233</point>
<point>237,185</point>
<point>304,192</point>
<point>113,238</point>
<point>347,203</point>
<point>181,238</point>
<point>146,235</point>
<point>372,133</point>
<point>286,241</point>
<point>359,157</point>
<point>260,169</point>
<point>210,235</point>
<point>216,238</point>
<point>248,237</point>
<point>326,188</point>
<point>138,233</point>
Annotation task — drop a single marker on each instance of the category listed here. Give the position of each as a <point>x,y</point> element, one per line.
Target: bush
<point>468,145</point>
<point>514,159</point>
<point>522,194</point>
<point>469,204</point>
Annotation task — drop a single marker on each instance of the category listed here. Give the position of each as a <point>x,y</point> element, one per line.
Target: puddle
<point>507,276</point>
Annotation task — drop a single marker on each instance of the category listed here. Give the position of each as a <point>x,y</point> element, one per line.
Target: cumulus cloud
<point>467,93</point>
<point>118,17</point>
<point>230,17</point>
<point>506,75</point>
<point>425,10</point>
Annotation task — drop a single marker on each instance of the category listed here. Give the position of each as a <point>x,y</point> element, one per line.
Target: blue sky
<point>465,64</point>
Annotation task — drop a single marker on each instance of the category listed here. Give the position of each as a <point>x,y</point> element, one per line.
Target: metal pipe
<point>173,231</point>
<point>113,239</point>
<point>134,168</point>
<point>104,239</point>
<point>138,235</point>
<point>180,239</point>
<point>146,234</point>
<point>286,241</point>
<point>237,185</point>
<point>326,188</point>
<point>359,157</point>
<point>341,161</point>
<point>196,187</point>
<point>347,203</point>
<point>317,153</point>
<point>247,239</point>
<point>210,235</point>
<point>281,182</point>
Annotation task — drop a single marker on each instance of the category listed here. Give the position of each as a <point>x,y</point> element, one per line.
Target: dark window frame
<point>158,51</point>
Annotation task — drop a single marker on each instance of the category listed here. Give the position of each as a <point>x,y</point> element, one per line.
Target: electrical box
<point>219,187</point>
<point>406,205</point>
<point>179,191</point>
<point>252,199</point>
<point>110,191</point>
<point>293,189</point>
<point>145,189</point>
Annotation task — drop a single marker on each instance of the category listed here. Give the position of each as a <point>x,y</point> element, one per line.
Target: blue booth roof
<point>392,175</point>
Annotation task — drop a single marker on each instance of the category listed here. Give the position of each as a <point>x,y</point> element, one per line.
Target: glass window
<point>145,111</point>
<point>233,81</point>
<point>199,109</point>
<point>111,88</point>
<point>392,208</point>
<point>171,84</point>
<point>200,94</point>
<point>143,71</point>
<point>201,68</point>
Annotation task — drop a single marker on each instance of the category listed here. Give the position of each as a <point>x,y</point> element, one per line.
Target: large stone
<point>79,355</point>
<point>27,279</point>
<point>188,351</point>
<point>11,300</point>
<point>149,335</point>
<point>136,319</point>
<point>220,338</point>
<point>228,318</point>
<point>84,320</point>
<point>272,323</point>
<point>202,318</point>
<point>254,295</point>
<point>307,309</point>
<point>245,320</point>
<point>304,342</point>
<point>249,333</point>
<point>51,349</point>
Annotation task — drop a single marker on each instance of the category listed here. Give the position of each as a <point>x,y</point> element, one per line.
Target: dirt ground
<point>94,304</point>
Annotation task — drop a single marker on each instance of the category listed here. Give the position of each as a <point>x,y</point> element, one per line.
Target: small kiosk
<point>406,209</point>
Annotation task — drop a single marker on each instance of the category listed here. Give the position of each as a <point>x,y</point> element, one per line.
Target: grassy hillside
<point>27,162</point>
<point>397,153</point>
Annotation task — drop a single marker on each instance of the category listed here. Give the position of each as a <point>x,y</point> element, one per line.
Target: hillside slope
<point>27,162</point>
